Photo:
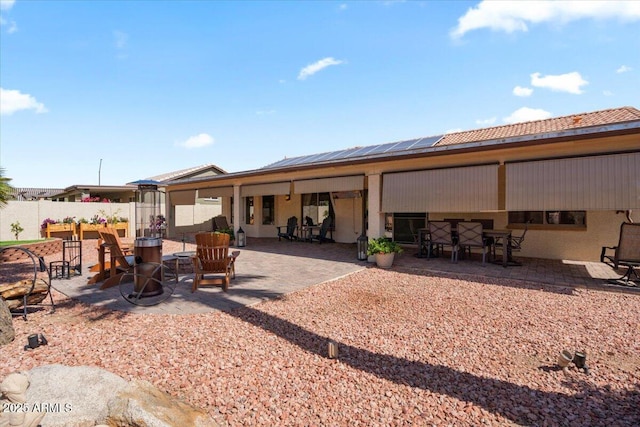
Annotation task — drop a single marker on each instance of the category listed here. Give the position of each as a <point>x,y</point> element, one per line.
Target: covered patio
<point>269,269</point>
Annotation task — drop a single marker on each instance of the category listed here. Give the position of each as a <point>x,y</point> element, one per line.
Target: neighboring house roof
<point>33,193</point>
<point>194,172</point>
<point>571,125</point>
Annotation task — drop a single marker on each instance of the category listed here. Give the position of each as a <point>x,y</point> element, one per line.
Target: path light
<point>242,238</point>
<point>363,245</point>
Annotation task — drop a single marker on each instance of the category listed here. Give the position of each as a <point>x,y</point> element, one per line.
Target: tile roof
<point>555,124</point>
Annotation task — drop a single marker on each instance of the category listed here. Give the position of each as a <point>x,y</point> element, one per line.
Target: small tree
<point>16,229</point>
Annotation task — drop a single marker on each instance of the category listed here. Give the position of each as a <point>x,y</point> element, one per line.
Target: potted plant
<point>384,251</point>
<point>228,231</point>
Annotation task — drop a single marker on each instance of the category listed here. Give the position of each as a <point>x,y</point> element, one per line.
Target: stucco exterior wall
<point>603,229</point>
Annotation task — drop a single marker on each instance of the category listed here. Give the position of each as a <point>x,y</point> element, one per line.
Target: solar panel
<point>390,148</point>
<point>427,142</point>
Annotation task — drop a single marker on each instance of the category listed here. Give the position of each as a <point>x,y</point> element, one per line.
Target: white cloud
<point>455,130</point>
<point>12,26</point>
<point>623,69</point>
<point>522,91</point>
<point>6,4</point>
<point>526,114</point>
<point>607,93</point>
<point>12,101</point>
<point>512,16</point>
<point>311,69</point>
<point>569,82</point>
<point>121,38</point>
<point>486,122</point>
<point>265,112</point>
<point>198,141</point>
<point>343,6</point>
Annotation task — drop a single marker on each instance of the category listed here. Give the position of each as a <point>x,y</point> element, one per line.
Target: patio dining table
<point>503,234</point>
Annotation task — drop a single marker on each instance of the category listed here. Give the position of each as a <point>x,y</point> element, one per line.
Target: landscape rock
<point>7,333</point>
<point>143,405</point>
<point>74,396</point>
<point>87,396</point>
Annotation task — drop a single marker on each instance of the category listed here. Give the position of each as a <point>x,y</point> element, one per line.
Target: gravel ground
<point>413,350</point>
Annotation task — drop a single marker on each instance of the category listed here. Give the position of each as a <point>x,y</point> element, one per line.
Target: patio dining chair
<point>626,253</point>
<point>470,236</point>
<point>515,242</point>
<point>440,236</point>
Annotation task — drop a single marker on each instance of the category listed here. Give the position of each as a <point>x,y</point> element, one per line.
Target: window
<point>248,211</point>
<point>317,206</point>
<point>268,210</point>
<point>572,218</point>
<point>406,226</point>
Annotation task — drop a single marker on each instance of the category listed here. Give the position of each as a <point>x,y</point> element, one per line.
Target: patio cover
<point>464,189</point>
<point>580,183</point>
<point>215,192</point>
<point>275,189</point>
<point>183,197</point>
<point>325,185</point>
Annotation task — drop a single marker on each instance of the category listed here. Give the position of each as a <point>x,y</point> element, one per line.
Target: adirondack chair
<point>289,232</point>
<point>322,233</point>
<point>626,254</point>
<point>212,258</point>
<point>119,263</point>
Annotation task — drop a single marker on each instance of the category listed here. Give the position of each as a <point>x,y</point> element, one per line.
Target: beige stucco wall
<point>603,229</point>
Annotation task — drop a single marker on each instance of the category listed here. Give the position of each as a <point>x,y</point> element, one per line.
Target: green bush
<point>384,246</point>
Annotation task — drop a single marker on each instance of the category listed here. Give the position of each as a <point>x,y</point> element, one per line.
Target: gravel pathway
<point>414,349</point>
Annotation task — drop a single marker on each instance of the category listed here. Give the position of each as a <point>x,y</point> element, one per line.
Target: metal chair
<point>470,236</point>
<point>626,253</point>
<point>71,261</point>
<point>440,235</point>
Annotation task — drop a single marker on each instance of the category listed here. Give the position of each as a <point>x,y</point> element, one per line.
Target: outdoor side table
<point>184,258</point>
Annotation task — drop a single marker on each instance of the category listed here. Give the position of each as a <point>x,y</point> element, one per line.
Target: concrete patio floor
<point>268,268</point>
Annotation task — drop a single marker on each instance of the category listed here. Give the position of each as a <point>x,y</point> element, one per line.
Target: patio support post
<point>237,203</point>
<point>376,217</point>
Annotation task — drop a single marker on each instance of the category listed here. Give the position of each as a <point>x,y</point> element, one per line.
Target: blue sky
<point>151,87</point>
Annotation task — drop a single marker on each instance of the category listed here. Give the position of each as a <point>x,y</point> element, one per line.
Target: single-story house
<point>572,180</point>
<point>127,193</point>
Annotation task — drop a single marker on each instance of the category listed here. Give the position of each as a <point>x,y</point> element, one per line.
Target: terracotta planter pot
<point>385,260</point>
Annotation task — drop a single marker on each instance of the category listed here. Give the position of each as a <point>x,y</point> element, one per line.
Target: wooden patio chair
<point>289,232</point>
<point>212,259</point>
<point>119,262</point>
<point>626,254</point>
